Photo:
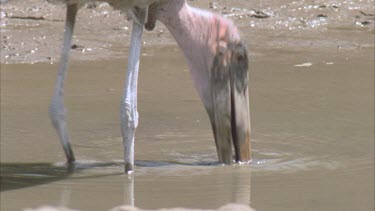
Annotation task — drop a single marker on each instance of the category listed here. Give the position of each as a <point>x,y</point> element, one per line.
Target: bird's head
<point>218,62</point>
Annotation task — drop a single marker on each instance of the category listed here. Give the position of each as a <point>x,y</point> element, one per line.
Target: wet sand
<point>311,97</point>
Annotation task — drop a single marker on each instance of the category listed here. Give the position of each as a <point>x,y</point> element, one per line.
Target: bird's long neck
<point>196,28</point>
<point>200,34</point>
<point>189,27</point>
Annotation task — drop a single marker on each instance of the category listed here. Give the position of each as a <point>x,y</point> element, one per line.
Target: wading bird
<point>217,59</point>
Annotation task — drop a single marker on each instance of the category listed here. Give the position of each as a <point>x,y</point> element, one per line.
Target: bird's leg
<point>152,16</point>
<point>57,109</point>
<point>129,113</point>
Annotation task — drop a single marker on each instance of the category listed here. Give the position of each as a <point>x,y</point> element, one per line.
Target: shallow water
<point>312,114</point>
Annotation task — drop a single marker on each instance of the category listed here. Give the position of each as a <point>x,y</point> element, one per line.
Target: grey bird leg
<point>129,113</point>
<point>57,109</point>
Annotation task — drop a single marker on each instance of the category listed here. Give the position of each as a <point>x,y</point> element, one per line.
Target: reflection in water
<point>153,184</point>
<point>16,176</point>
<point>65,196</point>
<point>129,190</point>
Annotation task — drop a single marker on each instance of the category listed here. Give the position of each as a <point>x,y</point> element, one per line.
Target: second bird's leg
<point>129,113</point>
<point>57,109</point>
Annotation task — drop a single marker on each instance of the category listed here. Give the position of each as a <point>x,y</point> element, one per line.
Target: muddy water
<point>312,113</point>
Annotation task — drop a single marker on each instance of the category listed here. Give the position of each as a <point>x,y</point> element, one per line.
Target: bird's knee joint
<point>129,116</point>
<point>57,113</point>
